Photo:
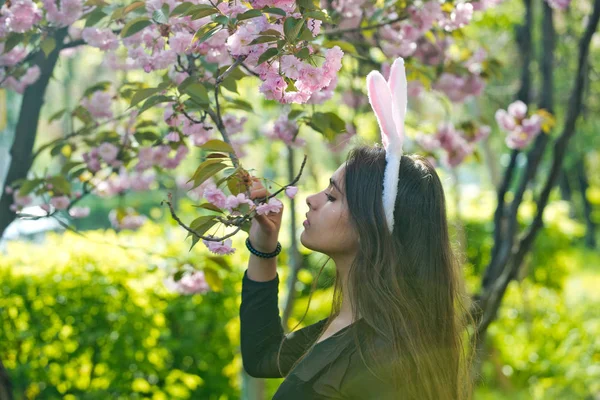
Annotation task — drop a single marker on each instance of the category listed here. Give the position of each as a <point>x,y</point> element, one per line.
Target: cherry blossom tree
<point>194,54</point>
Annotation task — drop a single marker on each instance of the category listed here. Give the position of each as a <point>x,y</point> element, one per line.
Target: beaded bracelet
<point>260,253</point>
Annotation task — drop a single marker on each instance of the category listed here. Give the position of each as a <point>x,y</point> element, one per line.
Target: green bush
<point>83,318</point>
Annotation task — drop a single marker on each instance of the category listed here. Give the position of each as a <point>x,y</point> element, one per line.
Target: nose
<point>310,202</point>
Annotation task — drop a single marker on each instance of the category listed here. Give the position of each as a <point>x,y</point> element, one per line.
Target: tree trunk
<point>590,231</point>
<point>22,148</point>
<point>488,302</point>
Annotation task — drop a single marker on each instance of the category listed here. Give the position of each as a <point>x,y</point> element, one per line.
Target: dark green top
<point>332,370</point>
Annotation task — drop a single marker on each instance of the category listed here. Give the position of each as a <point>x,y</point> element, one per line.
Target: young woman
<point>395,330</point>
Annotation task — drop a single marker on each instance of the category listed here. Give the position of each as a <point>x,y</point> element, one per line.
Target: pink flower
<point>221,248</point>
<point>104,39</point>
<point>181,42</point>
<point>314,25</point>
<point>235,201</point>
<point>108,152</point>
<point>21,16</point>
<point>79,212</point>
<point>70,11</point>
<point>99,104</point>
<point>559,4</point>
<point>215,196</point>
<point>532,125</point>
<point>427,142</point>
<point>518,109</point>
<point>60,202</point>
<point>21,201</point>
<point>505,120</point>
<point>291,66</point>
<point>13,57</point>
<point>273,206</point>
<point>414,88</point>
<point>190,283</point>
<point>291,191</point>
<point>130,220</point>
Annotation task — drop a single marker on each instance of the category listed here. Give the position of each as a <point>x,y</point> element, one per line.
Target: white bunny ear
<point>380,98</point>
<point>398,87</point>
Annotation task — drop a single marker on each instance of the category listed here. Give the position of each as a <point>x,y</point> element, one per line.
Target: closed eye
<point>329,197</point>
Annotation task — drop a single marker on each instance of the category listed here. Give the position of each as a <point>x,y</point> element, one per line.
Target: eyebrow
<point>331,181</point>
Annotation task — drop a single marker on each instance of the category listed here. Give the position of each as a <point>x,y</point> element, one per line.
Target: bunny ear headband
<point>388,100</point>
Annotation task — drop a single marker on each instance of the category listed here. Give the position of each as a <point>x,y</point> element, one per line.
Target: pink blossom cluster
<point>521,130</point>
<point>160,156</point>
<point>19,84</point>
<point>106,152</point>
<point>460,16</point>
<point>284,129</point>
<point>483,5</point>
<point>99,104</point>
<point>216,197</point>
<point>187,185</point>
<point>351,11</point>
<point>20,17</point>
<point>64,12</point>
<point>191,282</point>
<point>221,248</point>
<point>18,201</point>
<point>102,38</point>
<point>124,181</point>
<point>456,143</point>
<point>131,219</point>
<point>458,88</point>
<point>559,4</point>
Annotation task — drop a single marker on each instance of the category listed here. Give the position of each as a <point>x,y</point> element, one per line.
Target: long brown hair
<point>406,287</point>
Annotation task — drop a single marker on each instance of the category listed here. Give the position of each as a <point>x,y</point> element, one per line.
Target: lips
<point>307,222</point>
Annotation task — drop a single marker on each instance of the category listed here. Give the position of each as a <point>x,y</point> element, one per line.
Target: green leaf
<point>202,224</point>
<point>221,19</point>
<point>230,84</point>
<point>69,165</point>
<point>181,9</point>
<point>295,114</point>
<point>267,55</point>
<point>142,94</point>
<point>132,7</point>
<point>213,279</point>
<point>82,114</point>
<point>271,32</point>
<point>307,4</point>
<point>201,11</point>
<point>264,39</point>
<point>61,184</point>
<point>303,54</point>
<point>28,186</point>
<point>154,100</point>
<point>249,14</point>
<point>274,10</point>
<point>13,40</point>
<point>100,86</point>
<point>94,17</point>
<point>206,32</point>
<point>219,262</point>
<point>217,145</point>
<point>209,206</point>
<point>146,135</point>
<point>134,26</point>
<point>57,115</point>
<point>48,45</point>
<point>317,14</point>
<point>329,124</point>
<point>207,169</point>
<point>159,17</point>
<point>345,46</point>
<point>197,92</point>
<point>240,105</point>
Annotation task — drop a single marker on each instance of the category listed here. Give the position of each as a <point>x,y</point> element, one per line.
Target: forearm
<point>262,269</point>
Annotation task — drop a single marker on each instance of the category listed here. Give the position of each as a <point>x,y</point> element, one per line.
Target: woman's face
<point>329,230</point>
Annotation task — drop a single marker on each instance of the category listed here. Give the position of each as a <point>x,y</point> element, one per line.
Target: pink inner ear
<point>380,98</point>
<point>399,87</point>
